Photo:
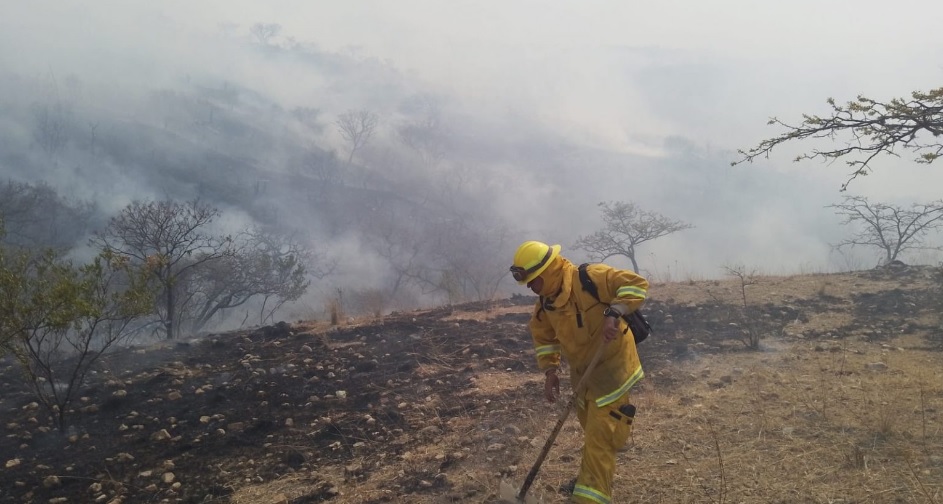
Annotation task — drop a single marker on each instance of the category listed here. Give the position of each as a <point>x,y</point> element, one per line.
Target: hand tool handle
<point>563,416</point>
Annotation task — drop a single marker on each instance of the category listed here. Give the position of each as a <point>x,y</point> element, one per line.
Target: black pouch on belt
<point>626,413</point>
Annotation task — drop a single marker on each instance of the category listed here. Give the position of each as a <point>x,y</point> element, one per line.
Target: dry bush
<point>335,307</point>
<point>821,290</point>
<point>753,323</point>
<point>296,487</point>
<point>855,458</point>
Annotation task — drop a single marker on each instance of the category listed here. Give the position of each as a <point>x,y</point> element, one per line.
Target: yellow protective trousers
<point>606,429</point>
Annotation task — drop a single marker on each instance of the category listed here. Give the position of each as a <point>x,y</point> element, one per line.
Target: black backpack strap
<point>587,282</point>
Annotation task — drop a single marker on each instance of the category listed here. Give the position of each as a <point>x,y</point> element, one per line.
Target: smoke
<point>533,115</point>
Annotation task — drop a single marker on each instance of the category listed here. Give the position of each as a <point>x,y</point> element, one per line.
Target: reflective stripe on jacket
<point>571,324</point>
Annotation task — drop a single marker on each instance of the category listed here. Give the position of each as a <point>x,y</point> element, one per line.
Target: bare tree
<point>50,128</point>
<point>398,238</point>
<point>870,128</point>
<point>749,334</point>
<point>890,228</point>
<point>357,126</point>
<point>170,236</point>
<point>747,277</point>
<point>324,165</point>
<point>424,134</point>
<point>468,252</point>
<point>626,227</point>
<point>265,32</point>
<point>53,119</point>
<point>272,266</point>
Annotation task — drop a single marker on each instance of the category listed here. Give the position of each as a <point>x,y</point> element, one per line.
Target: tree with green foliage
<point>626,227</point>
<point>58,319</point>
<point>868,128</point>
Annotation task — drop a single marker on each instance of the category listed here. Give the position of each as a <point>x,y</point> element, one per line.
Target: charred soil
<point>841,401</point>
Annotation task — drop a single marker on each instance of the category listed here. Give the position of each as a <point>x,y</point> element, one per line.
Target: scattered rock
<point>876,366</point>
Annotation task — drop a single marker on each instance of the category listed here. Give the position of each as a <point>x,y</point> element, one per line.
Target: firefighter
<point>570,323</point>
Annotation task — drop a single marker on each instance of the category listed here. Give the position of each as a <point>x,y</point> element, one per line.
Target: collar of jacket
<point>558,280</point>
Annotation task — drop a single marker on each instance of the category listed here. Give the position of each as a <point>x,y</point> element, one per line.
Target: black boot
<point>567,488</point>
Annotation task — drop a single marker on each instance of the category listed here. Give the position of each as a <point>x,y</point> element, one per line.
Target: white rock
<point>876,366</point>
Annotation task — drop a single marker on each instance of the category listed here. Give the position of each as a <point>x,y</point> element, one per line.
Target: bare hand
<point>610,328</point>
<point>551,387</point>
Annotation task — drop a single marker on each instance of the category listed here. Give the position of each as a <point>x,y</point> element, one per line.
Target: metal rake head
<point>508,494</point>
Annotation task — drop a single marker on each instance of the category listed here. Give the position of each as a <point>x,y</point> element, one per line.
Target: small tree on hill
<point>890,228</point>
<point>626,227</point>
<point>424,133</point>
<point>12,277</point>
<point>59,319</point>
<point>357,126</point>
<point>750,333</point>
<point>399,238</point>
<point>870,128</point>
<point>36,216</point>
<point>266,265</point>
<point>466,248</point>
<point>173,239</point>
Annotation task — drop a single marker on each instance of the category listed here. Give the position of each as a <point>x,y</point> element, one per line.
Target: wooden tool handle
<point>563,416</point>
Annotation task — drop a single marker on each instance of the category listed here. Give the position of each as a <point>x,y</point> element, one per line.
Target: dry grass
<point>796,426</point>
<point>828,421</point>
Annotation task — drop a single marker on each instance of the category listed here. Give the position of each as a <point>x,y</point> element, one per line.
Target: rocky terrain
<point>842,401</point>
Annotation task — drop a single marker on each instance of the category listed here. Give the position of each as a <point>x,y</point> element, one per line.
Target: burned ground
<point>439,405</point>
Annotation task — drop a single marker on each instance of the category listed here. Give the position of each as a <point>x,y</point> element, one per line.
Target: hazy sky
<point>742,58</point>
<point>736,59</point>
<point>615,76</point>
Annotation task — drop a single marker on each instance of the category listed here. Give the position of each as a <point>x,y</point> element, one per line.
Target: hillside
<point>842,402</point>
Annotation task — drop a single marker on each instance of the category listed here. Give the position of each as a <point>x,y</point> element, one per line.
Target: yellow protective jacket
<point>570,324</point>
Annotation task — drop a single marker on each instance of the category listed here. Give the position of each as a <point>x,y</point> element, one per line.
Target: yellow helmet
<point>531,259</point>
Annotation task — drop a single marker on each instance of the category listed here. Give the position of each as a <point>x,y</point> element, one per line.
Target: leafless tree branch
<point>890,228</point>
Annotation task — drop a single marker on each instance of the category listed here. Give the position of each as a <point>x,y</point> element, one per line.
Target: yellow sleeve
<point>545,340</point>
<point>620,287</point>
